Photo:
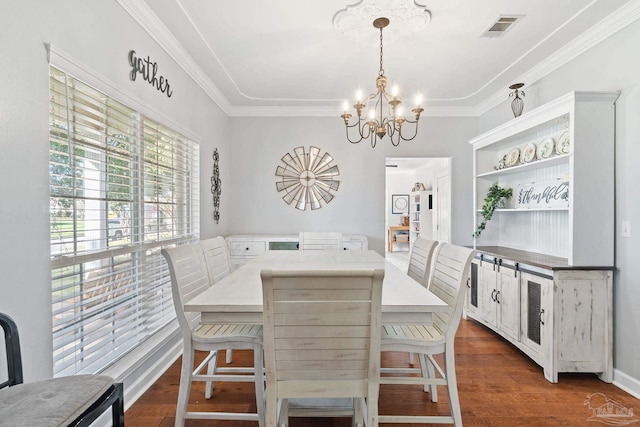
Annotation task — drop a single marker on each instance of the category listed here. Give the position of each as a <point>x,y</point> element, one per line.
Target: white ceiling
<point>257,57</point>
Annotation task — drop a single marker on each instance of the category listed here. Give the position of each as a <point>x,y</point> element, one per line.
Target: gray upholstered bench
<point>67,401</point>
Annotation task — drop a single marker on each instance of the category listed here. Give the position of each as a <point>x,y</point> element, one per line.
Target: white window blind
<point>122,187</point>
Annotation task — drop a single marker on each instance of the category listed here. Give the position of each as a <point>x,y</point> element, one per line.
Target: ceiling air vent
<point>501,25</point>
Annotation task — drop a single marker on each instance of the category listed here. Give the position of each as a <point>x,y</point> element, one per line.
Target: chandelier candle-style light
<point>380,122</point>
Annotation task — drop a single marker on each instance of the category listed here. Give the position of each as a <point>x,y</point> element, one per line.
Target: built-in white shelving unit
<point>544,271</point>
<point>582,231</point>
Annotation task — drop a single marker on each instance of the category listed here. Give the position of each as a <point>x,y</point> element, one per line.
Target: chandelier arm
<point>391,131</point>
<point>414,134</point>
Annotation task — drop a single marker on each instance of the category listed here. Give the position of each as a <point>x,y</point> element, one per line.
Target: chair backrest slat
<point>217,258</point>
<point>448,278</point>
<point>189,277</point>
<point>421,259</point>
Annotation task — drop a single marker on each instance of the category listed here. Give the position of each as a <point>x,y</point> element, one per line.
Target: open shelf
<point>555,160</point>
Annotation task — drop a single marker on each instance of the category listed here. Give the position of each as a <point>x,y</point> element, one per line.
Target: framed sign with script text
<point>542,194</point>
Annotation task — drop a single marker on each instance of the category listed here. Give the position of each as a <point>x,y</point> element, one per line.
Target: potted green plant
<point>496,195</point>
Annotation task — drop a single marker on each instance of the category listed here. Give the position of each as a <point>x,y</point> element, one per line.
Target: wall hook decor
<point>216,186</point>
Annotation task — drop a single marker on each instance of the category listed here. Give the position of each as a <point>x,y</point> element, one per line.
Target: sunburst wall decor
<point>307,178</point>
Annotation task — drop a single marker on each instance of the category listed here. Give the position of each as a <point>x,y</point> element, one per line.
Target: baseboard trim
<point>627,383</point>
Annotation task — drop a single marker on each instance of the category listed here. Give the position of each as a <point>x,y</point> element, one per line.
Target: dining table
<point>237,298</point>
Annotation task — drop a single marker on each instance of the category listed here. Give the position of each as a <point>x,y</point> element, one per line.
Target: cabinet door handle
<point>246,249</point>
<point>495,260</point>
<point>541,313</point>
<point>497,295</point>
<point>493,295</point>
<point>469,282</point>
<point>515,270</point>
<point>499,264</point>
<point>481,259</point>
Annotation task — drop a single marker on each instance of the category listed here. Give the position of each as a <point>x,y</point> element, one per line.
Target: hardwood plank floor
<point>498,387</point>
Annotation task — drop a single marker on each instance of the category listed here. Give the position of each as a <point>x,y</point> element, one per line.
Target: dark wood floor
<point>498,386</point>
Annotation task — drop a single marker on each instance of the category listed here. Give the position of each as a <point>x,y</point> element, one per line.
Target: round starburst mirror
<point>307,178</point>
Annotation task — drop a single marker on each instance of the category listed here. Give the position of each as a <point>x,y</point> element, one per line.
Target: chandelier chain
<point>381,72</point>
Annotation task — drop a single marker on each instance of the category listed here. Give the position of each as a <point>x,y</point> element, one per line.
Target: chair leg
<point>185,385</point>
<point>229,356</point>
<point>452,386</point>
<point>358,413</point>
<point>283,416</point>
<point>271,410</point>
<point>117,410</point>
<point>258,363</point>
<point>411,359</point>
<point>428,371</point>
<point>211,369</point>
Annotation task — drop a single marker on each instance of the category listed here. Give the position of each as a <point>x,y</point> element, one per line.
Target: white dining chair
<point>310,241</point>
<point>448,279</point>
<point>189,277</point>
<point>322,340</point>
<point>216,255</point>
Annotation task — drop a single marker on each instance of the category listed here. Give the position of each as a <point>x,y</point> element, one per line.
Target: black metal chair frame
<point>113,397</point>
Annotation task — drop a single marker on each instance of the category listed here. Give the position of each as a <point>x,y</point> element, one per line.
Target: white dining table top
<point>238,297</point>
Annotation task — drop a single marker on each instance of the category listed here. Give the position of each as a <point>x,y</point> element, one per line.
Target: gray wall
<point>612,65</point>
<point>258,144</point>
<point>99,34</point>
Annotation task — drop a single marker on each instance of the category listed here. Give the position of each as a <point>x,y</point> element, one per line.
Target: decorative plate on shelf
<point>545,148</point>
<point>528,152</point>
<point>562,146</point>
<point>513,157</point>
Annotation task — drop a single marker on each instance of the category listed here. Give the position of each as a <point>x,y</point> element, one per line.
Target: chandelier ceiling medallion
<point>380,120</point>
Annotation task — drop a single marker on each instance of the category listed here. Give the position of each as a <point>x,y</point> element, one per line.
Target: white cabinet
<point>566,146</point>
<point>244,247</point>
<point>499,294</point>
<point>421,215</point>
<point>543,279</point>
<point>560,316</point>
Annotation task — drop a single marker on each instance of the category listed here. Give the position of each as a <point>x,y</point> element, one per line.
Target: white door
<point>442,220</point>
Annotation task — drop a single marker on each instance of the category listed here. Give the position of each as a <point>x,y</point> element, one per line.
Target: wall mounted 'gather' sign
<point>544,194</point>
<point>149,72</point>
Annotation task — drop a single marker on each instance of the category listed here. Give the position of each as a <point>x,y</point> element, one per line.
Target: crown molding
<point>260,111</point>
<point>611,24</point>
<point>149,21</point>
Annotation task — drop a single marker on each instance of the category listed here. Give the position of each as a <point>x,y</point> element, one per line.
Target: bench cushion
<point>53,402</point>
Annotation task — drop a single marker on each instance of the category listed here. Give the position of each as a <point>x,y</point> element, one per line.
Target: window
<point>122,187</point>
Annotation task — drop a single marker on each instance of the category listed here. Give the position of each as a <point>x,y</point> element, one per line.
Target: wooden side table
<point>392,231</point>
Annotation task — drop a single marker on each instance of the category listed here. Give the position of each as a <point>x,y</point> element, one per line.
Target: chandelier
<point>381,119</point>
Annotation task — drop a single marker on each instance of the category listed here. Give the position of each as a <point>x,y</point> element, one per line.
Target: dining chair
<point>310,240</point>
<point>218,262</point>
<point>420,265</point>
<point>322,340</point>
<point>75,400</point>
<point>448,278</point>
<point>189,277</point>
